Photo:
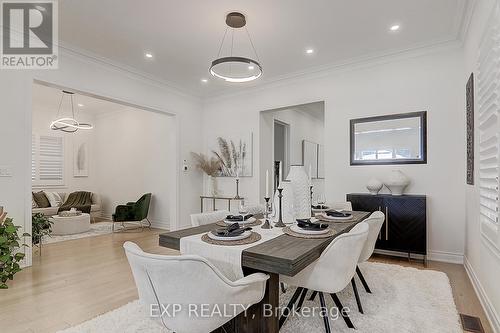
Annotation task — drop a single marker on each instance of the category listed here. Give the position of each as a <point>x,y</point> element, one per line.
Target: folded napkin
<point>320,207</point>
<point>230,231</point>
<point>238,217</point>
<point>306,224</point>
<point>336,213</point>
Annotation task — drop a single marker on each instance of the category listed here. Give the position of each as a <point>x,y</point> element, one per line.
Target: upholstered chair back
<point>341,205</point>
<point>209,217</point>
<point>175,282</point>
<point>375,222</point>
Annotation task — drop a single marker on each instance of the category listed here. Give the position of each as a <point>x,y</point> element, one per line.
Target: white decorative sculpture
<point>397,182</point>
<point>301,191</point>
<point>374,186</point>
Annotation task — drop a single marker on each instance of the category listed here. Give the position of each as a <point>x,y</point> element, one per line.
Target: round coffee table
<point>67,225</point>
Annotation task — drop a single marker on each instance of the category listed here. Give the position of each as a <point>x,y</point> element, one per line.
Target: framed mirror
<point>391,139</point>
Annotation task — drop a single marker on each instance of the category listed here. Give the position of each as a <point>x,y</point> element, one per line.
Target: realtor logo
<point>29,35</point>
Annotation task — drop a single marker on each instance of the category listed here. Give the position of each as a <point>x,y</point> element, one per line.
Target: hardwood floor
<point>77,280</point>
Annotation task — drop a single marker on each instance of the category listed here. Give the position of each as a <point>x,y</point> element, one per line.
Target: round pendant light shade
<point>236,68</point>
<point>68,124</point>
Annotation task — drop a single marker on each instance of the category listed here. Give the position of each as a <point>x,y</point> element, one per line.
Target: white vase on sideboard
<point>301,191</point>
<point>397,182</point>
<point>374,186</point>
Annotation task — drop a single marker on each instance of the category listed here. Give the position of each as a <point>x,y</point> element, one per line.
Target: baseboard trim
<point>449,257</point>
<point>483,297</point>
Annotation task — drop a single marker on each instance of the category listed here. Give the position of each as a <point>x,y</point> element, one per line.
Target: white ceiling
<point>184,36</point>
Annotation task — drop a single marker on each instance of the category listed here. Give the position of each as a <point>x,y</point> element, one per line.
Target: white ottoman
<point>70,224</point>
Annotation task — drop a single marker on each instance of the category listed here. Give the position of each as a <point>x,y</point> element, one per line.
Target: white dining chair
<point>375,222</point>
<point>330,274</point>
<point>209,217</point>
<point>340,206</point>
<point>183,284</point>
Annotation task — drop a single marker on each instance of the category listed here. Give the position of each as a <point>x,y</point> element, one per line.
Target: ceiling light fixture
<point>80,105</point>
<point>395,27</point>
<point>68,124</point>
<point>204,80</point>
<point>309,51</point>
<point>235,68</point>
<point>148,55</point>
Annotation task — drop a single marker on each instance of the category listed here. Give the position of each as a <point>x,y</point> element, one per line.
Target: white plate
<point>333,218</point>
<point>250,220</point>
<point>244,235</point>
<point>295,228</point>
<point>320,210</point>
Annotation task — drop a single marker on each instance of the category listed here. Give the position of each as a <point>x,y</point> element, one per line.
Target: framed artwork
<point>80,159</point>
<point>470,128</point>
<point>235,154</point>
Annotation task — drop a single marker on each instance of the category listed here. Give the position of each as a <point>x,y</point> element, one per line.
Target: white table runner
<point>226,258</point>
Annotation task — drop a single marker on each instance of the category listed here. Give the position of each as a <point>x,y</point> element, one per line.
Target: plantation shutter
<point>47,160</point>
<point>488,102</point>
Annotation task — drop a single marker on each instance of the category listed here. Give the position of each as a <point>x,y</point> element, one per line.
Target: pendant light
<point>68,124</point>
<point>236,68</point>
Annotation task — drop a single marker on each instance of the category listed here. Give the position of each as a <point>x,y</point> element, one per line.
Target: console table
<point>405,226</point>
<point>215,198</point>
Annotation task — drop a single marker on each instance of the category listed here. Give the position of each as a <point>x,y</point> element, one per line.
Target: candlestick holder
<point>237,196</point>
<point>280,223</point>
<point>311,189</point>
<point>266,224</point>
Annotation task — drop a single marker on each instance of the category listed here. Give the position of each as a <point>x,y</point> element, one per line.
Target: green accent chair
<point>132,212</point>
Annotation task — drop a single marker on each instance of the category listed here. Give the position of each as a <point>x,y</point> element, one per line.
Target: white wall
<point>431,82</point>
<point>87,75</point>
<point>133,152</point>
<point>482,259</point>
<point>41,119</point>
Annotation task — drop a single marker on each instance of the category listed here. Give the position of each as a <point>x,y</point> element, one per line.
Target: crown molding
<point>364,62</point>
<point>87,56</point>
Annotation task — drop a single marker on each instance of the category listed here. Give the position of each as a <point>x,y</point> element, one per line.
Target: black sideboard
<point>405,226</point>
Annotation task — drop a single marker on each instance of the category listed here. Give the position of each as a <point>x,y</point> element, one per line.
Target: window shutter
<point>488,102</point>
<point>51,160</point>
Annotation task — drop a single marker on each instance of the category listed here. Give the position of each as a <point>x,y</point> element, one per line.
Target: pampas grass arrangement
<point>230,157</point>
<point>210,166</point>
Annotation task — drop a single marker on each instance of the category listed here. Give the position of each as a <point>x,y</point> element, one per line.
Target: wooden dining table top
<point>284,254</point>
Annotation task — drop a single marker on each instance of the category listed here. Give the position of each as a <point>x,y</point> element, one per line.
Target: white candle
<point>267,183</point>
<point>310,174</point>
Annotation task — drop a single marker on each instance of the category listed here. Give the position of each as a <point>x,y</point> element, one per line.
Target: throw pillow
<point>54,198</point>
<point>33,202</point>
<point>41,200</point>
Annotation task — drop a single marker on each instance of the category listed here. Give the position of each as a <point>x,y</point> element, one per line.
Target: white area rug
<point>96,229</point>
<point>404,300</point>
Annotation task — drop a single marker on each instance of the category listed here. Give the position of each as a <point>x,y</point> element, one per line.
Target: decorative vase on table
<point>212,188</point>
<point>301,191</point>
<point>397,182</point>
<point>374,186</point>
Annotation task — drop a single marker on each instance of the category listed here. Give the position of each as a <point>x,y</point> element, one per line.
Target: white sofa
<point>95,208</point>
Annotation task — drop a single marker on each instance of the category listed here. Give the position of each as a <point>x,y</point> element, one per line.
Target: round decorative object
<point>254,237</point>
<point>67,225</point>
<point>331,232</point>
<point>301,191</point>
<point>297,229</point>
<point>254,223</point>
<point>397,182</point>
<point>374,186</point>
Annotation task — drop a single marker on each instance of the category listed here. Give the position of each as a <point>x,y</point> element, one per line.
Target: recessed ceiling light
<point>148,55</point>
<point>309,51</point>
<point>251,68</point>
<point>395,27</point>
<point>204,80</point>
<point>80,105</point>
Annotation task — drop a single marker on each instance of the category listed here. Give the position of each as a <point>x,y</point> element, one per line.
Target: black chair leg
<point>324,312</point>
<point>283,289</point>
<point>301,299</point>
<point>342,313</point>
<point>313,296</point>
<point>363,281</point>
<point>290,305</point>
<point>356,294</point>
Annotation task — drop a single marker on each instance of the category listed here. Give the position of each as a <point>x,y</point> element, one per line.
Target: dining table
<point>281,255</point>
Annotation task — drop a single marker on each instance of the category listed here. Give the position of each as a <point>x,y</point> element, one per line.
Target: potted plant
<point>210,166</point>
<point>10,257</point>
<point>41,226</point>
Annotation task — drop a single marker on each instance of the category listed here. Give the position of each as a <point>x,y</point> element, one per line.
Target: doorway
<point>281,148</point>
